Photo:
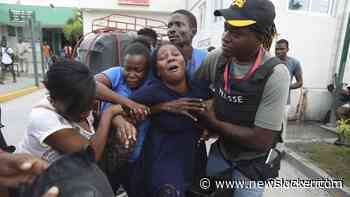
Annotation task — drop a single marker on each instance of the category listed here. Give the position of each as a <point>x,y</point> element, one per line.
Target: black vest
<point>240,104</point>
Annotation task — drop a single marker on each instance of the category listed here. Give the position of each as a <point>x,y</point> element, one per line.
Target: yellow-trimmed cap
<point>240,23</point>
<point>243,13</point>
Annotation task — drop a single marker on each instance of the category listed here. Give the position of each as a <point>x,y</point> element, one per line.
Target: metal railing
<point>126,23</point>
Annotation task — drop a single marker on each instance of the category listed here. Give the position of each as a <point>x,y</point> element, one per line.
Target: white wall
<point>158,9</point>
<point>163,6</point>
<point>313,40</point>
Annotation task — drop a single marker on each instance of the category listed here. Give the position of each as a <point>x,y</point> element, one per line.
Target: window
<point>218,4</point>
<point>316,6</point>
<point>202,15</point>
<point>11,30</point>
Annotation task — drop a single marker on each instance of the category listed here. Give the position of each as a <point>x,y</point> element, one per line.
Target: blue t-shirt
<point>198,56</point>
<point>119,85</point>
<point>294,67</point>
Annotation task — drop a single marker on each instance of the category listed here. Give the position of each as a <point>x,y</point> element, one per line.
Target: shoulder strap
<point>266,69</point>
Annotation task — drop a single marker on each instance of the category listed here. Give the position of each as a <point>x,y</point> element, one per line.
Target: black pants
<point>7,68</point>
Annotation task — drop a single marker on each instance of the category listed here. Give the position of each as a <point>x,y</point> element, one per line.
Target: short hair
<point>281,41</point>
<point>191,18</point>
<point>148,32</point>
<point>72,83</point>
<point>137,47</point>
<point>143,41</point>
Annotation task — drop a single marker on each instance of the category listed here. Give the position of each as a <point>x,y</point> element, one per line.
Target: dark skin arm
<point>104,92</point>
<point>180,106</point>
<point>126,131</point>
<point>255,138</point>
<point>69,140</point>
<point>298,83</point>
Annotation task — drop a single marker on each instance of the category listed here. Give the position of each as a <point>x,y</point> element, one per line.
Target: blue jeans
<point>216,164</point>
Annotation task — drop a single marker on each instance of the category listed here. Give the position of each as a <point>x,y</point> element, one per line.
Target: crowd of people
<point>149,118</point>
<point>17,60</point>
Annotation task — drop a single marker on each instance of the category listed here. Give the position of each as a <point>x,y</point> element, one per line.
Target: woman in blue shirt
<point>124,80</point>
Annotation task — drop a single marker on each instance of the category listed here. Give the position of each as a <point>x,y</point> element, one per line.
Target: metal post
<point>340,76</point>
<point>31,26</point>
<point>41,51</point>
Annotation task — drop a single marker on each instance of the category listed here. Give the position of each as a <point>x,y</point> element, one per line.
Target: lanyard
<point>246,76</point>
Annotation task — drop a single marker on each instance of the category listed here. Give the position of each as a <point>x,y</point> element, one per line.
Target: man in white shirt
<point>6,54</point>
<point>22,52</point>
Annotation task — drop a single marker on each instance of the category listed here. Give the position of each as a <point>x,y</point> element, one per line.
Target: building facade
<point>152,9</point>
<point>48,25</point>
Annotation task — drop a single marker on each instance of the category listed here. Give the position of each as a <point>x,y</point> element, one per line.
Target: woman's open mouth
<point>173,68</point>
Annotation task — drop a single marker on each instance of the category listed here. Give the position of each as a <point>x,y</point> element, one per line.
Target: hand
<point>209,104</point>
<point>208,116</point>
<point>206,135</point>
<point>184,105</point>
<point>137,111</point>
<point>115,110</point>
<point>52,192</point>
<point>126,131</point>
<point>16,169</point>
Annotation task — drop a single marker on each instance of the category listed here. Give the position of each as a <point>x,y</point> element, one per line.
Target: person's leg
<point>46,65</point>
<point>12,70</point>
<point>2,76</point>
<point>26,63</point>
<point>21,66</point>
<point>249,189</point>
<point>216,163</point>
<point>285,122</point>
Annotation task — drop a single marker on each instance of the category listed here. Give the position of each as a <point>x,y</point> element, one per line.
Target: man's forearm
<point>157,108</point>
<point>99,141</point>
<point>251,138</point>
<point>296,85</point>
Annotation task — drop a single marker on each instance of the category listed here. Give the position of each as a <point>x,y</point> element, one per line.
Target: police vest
<point>239,105</point>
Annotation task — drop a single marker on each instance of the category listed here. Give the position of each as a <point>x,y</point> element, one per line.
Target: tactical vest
<point>240,104</point>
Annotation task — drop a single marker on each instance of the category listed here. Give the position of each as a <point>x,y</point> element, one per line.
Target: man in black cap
<point>250,90</point>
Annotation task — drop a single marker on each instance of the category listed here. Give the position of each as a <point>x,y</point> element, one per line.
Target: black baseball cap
<point>243,13</point>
